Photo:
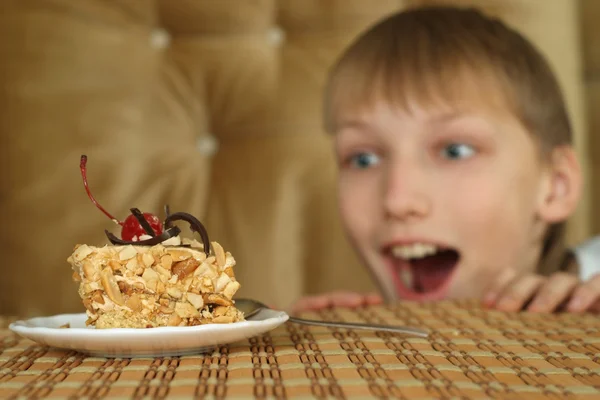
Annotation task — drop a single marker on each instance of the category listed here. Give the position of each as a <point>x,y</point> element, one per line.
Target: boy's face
<point>439,202</point>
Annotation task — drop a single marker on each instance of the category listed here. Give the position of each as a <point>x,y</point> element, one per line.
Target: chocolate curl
<point>169,233</point>
<point>167,213</point>
<point>144,224</point>
<point>195,226</point>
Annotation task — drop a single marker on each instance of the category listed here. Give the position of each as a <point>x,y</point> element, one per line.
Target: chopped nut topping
<point>114,264</point>
<point>82,252</point>
<point>186,310</point>
<point>155,286</point>
<point>89,271</point>
<point>174,292</point>
<point>184,268</point>
<point>150,275</point>
<point>127,253</point>
<point>196,300</point>
<point>111,288</point>
<point>134,302</point>
<point>179,255</point>
<point>147,259</point>
<point>132,264</point>
<point>97,297</point>
<point>166,261</point>
<point>219,254</point>
<point>174,320</point>
<point>215,298</point>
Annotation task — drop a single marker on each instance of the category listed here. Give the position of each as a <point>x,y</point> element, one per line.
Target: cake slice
<point>133,286</point>
<point>148,277</point>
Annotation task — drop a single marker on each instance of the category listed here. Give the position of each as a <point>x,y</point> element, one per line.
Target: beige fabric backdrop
<point>590,39</point>
<point>212,106</point>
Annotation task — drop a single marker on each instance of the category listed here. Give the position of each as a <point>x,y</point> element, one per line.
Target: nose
<point>406,196</point>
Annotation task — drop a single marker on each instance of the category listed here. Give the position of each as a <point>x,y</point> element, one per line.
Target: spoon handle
<point>354,325</point>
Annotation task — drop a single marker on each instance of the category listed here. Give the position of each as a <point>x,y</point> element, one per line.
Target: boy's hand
<point>560,291</point>
<point>335,299</point>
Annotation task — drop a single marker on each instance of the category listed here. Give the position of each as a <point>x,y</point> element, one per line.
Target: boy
<point>456,169</point>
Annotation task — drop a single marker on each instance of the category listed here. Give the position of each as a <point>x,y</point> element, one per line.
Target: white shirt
<point>588,258</point>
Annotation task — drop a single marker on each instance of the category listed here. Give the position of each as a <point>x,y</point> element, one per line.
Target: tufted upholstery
<point>211,106</point>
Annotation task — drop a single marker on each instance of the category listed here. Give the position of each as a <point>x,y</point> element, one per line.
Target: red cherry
<point>132,228</point>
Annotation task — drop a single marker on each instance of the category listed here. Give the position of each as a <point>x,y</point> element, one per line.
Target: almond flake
<point>166,261</point>
<point>111,288</point>
<point>186,310</point>
<point>132,264</point>
<point>179,255</point>
<point>89,271</point>
<point>147,259</point>
<point>114,265</point>
<point>196,300</point>
<point>134,302</point>
<point>127,253</point>
<point>82,252</point>
<point>184,268</point>
<point>150,275</point>
<point>174,320</point>
<point>231,288</point>
<point>219,254</point>
<point>174,292</point>
<point>222,281</point>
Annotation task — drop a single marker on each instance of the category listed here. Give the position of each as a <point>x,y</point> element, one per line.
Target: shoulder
<point>588,258</point>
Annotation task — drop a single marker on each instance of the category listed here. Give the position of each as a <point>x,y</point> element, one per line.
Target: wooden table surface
<point>471,353</point>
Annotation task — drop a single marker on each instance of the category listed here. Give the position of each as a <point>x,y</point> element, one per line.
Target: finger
<point>310,303</point>
<point>594,307</point>
<point>373,299</point>
<point>334,299</point>
<point>346,299</point>
<point>585,296</point>
<point>554,291</point>
<point>497,286</point>
<point>518,292</point>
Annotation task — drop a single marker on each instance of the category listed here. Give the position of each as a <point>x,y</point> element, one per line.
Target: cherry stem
<point>82,167</point>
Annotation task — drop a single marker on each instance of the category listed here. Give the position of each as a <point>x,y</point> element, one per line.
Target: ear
<point>562,191</point>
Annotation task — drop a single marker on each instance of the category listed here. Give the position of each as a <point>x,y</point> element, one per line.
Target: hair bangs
<point>414,66</point>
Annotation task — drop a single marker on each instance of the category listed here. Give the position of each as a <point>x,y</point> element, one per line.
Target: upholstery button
<point>276,36</point>
<point>207,145</point>
<point>160,39</point>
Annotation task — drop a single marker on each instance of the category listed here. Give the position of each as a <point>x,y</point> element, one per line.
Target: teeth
<point>416,250</point>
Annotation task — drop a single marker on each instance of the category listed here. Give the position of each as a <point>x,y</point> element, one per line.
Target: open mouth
<point>423,270</point>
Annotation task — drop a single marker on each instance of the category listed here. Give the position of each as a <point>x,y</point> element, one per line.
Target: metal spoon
<point>251,307</point>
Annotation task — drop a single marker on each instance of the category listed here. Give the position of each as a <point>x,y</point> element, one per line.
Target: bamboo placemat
<point>471,354</point>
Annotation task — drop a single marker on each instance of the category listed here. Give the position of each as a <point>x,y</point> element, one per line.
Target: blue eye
<point>457,151</point>
<point>364,160</point>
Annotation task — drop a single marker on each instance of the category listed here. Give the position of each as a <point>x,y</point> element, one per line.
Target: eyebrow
<point>437,119</point>
<point>352,127</point>
<point>353,123</point>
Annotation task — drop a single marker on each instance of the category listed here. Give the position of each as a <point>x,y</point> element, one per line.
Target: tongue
<point>429,273</point>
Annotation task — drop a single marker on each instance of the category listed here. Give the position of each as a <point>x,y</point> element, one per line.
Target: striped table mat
<point>471,353</point>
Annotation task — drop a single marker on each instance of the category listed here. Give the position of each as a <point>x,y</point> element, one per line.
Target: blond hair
<point>444,54</point>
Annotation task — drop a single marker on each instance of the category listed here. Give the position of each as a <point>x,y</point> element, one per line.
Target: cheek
<point>357,200</point>
<point>492,209</point>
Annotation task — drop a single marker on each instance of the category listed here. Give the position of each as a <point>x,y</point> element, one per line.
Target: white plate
<point>153,342</point>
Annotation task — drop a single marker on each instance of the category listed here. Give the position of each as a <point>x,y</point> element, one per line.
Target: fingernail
<point>537,304</point>
<point>505,303</point>
<point>575,304</point>
<point>490,298</point>
<point>535,307</point>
